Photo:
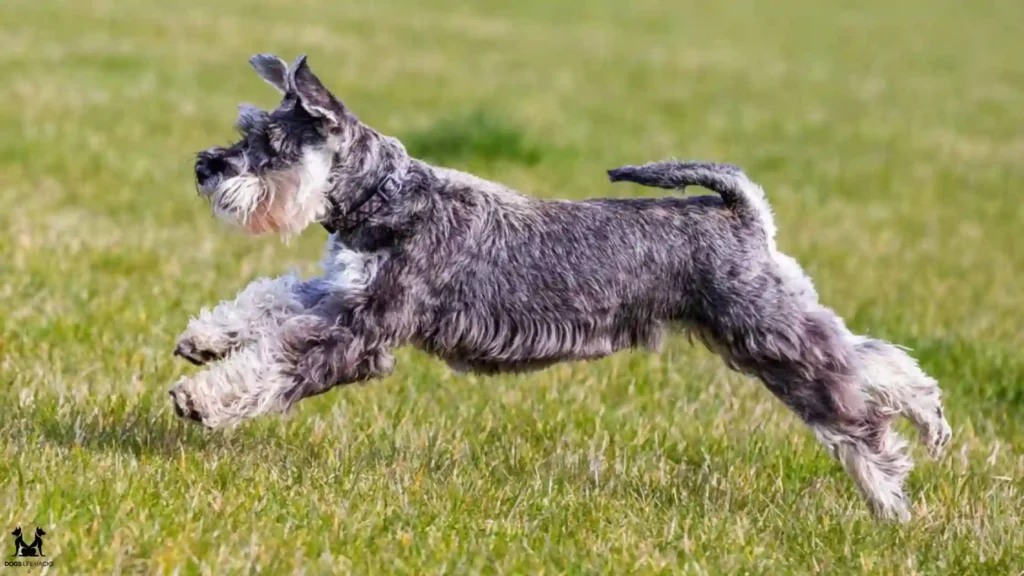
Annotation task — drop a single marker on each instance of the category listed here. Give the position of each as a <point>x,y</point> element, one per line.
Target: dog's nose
<point>203,171</point>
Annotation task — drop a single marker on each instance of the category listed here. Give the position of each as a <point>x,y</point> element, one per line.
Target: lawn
<point>888,136</point>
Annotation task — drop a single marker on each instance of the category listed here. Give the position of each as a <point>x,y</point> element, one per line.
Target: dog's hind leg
<point>875,458</point>
<point>258,309</point>
<point>894,382</point>
<point>808,363</point>
<point>860,438</point>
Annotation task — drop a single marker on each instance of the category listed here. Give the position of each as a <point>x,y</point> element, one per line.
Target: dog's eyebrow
<point>250,117</point>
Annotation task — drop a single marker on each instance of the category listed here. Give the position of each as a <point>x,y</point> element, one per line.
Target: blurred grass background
<point>887,136</point>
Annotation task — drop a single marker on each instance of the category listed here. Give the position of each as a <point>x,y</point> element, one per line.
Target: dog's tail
<point>739,193</point>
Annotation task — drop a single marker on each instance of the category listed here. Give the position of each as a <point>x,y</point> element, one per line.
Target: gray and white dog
<point>493,281</point>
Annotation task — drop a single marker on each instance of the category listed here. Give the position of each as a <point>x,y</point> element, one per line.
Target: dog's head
<point>275,178</point>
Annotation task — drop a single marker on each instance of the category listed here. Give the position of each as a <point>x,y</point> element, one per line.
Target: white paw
<point>936,437</point>
<point>184,406</point>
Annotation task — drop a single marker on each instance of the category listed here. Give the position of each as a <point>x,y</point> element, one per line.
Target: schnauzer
<point>489,281</point>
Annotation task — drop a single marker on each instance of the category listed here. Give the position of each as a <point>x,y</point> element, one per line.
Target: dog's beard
<point>282,202</point>
<point>259,205</point>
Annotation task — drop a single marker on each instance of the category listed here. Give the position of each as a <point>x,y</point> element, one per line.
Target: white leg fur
<point>893,379</point>
<point>249,383</point>
<point>878,474</point>
<point>892,384</point>
<point>257,309</point>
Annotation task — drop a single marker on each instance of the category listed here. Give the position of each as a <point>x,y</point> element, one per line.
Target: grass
<point>887,135</point>
<point>473,135</point>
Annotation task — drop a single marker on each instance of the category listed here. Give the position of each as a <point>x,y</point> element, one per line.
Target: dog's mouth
<point>207,187</point>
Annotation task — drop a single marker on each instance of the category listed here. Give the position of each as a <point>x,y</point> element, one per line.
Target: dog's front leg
<point>252,381</point>
<point>309,354</point>
<point>346,337</point>
<point>324,355</point>
<point>350,334</point>
<point>259,309</point>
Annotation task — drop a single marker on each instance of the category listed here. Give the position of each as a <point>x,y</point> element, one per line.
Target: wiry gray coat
<point>490,280</point>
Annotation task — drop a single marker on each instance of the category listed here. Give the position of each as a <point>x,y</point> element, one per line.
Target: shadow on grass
<point>144,429</point>
<point>475,136</point>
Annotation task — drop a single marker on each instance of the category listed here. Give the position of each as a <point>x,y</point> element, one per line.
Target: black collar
<point>372,201</point>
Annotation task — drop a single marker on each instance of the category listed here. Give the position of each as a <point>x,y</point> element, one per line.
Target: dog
<point>490,281</point>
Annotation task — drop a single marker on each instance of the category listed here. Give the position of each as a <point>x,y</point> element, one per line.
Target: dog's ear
<point>315,98</point>
<point>271,69</point>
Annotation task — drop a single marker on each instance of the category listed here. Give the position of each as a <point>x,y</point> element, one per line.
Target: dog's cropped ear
<point>271,69</point>
<point>315,98</point>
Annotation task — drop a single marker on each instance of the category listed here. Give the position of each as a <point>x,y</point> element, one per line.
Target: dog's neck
<point>369,173</point>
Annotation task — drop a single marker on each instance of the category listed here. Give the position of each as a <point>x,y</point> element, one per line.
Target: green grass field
<point>888,136</point>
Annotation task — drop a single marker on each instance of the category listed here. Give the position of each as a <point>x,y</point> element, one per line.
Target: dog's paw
<point>936,437</point>
<point>184,407</point>
<point>188,349</point>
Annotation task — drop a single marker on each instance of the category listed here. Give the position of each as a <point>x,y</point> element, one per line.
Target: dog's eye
<point>254,142</point>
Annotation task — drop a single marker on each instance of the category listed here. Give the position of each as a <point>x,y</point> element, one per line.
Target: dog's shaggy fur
<point>492,281</point>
